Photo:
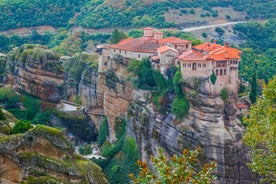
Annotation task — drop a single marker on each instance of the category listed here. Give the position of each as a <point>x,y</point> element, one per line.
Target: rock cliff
<point>42,155</point>
<point>36,71</point>
<point>211,123</point>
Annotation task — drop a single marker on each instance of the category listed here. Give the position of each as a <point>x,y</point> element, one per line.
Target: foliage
<point>85,149</point>
<point>117,36</point>
<point>180,107</point>
<point>183,35</point>
<point>219,31</point>
<point>142,68</point>
<point>21,127</point>
<point>261,132</point>
<point>177,82</point>
<point>103,132</point>
<point>77,100</point>
<point>123,163</point>
<point>178,169</point>
<point>135,33</point>
<point>253,91</point>
<point>160,81</point>
<point>2,115</point>
<point>259,50</point>
<point>213,78</point>
<point>17,14</point>
<point>204,35</point>
<point>224,94</point>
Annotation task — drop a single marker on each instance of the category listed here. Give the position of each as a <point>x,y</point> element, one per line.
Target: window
<point>105,63</point>
<point>108,57</point>
<point>224,71</point>
<point>204,65</point>
<point>220,72</point>
<point>184,65</point>
<point>216,72</point>
<point>114,50</point>
<point>199,65</point>
<point>125,51</point>
<point>194,66</point>
<point>120,51</point>
<point>139,56</point>
<point>189,65</point>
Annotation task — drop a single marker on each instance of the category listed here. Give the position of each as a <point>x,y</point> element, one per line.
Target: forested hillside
<point>259,50</point>
<point>110,13</point>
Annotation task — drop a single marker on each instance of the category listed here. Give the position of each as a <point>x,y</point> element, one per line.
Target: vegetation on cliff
<point>53,162</point>
<point>178,169</point>
<point>261,132</point>
<point>120,156</point>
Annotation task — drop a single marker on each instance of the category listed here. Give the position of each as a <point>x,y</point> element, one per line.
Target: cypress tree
<point>253,91</point>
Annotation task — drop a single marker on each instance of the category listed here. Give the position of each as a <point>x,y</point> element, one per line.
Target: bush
<point>21,127</point>
<point>204,35</point>
<point>224,94</point>
<point>192,11</point>
<point>213,78</point>
<point>103,132</point>
<point>180,107</point>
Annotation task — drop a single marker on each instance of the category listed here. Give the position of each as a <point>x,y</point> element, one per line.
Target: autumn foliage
<point>178,169</point>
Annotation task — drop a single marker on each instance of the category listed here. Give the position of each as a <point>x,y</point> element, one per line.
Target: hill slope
<point>114,13</point>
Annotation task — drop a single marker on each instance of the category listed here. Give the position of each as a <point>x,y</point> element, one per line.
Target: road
<point>210,26</point>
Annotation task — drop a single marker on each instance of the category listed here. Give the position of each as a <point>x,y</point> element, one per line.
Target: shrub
<point>180,107</point>
<point>204,35</point>
<point>224,94</point>
<point>21,127</point>
<point>213,78</point>
<point>103,132</point>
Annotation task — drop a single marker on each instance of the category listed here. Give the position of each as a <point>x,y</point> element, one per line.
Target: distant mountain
<point>128,13</point>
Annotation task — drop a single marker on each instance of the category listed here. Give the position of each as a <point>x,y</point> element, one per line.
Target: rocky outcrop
<point>36,71</point>
<point>81,78</point>
<point>42,155</point>
<point>211,124</point>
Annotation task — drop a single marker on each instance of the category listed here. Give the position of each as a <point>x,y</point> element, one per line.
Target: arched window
<point>199,65</point>
<point>194,66</point>
<point>220,72</point>
<point>204,65</point>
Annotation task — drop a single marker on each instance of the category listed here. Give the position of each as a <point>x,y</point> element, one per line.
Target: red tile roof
<point>137,45</point>
<point>155,58</point>
<point>241,106</point>
<point>173,40</point>
<point>218,52</point>
<point>166,48</point>
<point>191,55</point>
<point>148,28</point>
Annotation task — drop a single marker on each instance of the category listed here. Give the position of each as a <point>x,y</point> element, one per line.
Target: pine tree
<point>253,92</point>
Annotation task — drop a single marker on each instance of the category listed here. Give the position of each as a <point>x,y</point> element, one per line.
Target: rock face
<point>80,76</point>
<point>42,155</point>
<point>36,71</point>
<point>211,124</point>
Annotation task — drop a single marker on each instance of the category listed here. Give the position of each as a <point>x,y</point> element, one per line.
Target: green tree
<point>117,36</point>
<point>21,127</point>
<point>178,169</point>
<point>180,107</point>
<point>213,78</point>
<point>253,91</point>
<point>224,94</point>
<point>204,35</point>
<point>219,31</point>
<point>261,133</point>
<point>103,132</point>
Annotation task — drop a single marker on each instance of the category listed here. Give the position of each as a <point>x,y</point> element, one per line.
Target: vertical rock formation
<point>36,71</point>
<point>211,124</point>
